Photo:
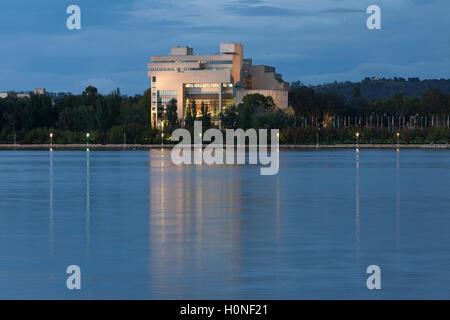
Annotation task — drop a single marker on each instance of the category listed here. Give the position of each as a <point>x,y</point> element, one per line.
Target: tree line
<point>313,116</point>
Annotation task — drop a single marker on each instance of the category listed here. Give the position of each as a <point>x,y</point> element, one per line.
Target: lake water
<point>142,228</point>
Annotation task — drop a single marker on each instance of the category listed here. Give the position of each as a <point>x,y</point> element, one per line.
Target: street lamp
<point>87,138</point>
<point>162,139</point>
<point>398,139</point>
<point>357,139</point>
<point>51,139</point>
<point>317,138</point>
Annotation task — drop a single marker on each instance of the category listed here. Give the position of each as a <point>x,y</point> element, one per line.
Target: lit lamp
<point>398,138</point>
<point>162,138</point>
<point>87,138</point>
<point>51,138</point>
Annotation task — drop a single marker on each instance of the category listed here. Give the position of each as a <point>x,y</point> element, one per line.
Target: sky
<point>313,41</point>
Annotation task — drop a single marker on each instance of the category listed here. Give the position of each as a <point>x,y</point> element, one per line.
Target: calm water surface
<point>142,228</point>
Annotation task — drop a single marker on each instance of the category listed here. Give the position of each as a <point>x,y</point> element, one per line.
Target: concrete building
<point>216,81</point>
<point>39,91</point>
<point>24,95</point>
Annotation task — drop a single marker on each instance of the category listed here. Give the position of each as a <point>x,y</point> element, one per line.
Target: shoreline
<point>170,146</point>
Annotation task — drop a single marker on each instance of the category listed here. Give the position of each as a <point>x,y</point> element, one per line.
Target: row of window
<point>167,92</point>
<point>188,69</point>
<point>202,85</point>
<point>162,69</point>
<point>163,99</point>
<point>201,92</point>
<point>199,61</point>
<point>208,85</point>
<point>219,62</point>
<point>218,68</point>
<point>174,61</point>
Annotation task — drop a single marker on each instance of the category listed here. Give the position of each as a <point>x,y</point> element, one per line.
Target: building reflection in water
<point>185,203</point>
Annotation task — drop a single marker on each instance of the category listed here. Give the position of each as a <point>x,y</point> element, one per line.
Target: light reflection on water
<point>141,227</point>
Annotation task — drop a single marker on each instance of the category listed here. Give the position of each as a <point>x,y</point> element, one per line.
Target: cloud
<point>305,40</point>
<point>341,10</point>
<point>259,10</point>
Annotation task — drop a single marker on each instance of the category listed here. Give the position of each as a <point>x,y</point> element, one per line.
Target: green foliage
<point>191,115</point>
<point>172,115</point>
<point>206,117</point>
<point>269,120</point>
<point>108,117</point>
<point>259,102</point>
<point>229,117</point>
<point>383,88</point>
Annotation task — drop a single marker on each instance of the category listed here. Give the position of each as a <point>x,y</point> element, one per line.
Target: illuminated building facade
<point>215,81</point>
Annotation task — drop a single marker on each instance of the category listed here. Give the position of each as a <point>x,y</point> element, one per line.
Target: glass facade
<point>202,85</point>
<point>212,103</point>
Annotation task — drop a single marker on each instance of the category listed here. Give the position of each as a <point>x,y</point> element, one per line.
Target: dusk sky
<point>313,41</point>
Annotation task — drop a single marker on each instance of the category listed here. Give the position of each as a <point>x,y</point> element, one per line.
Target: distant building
<point>39,91</point>
<point>21,95</point>
<point>215,80</point>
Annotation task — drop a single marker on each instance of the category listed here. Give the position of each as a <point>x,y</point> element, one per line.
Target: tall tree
<point>172,115</point>
<point>206,117</point>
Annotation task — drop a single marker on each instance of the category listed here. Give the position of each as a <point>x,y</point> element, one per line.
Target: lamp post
<point>162,139</point>
<point>51,141</point>
<point>398,139</point>
<point>357,139</point>
<point>317,138</point>
<point>87,138</point>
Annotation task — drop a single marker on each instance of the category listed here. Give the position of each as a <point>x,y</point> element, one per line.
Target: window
<point>202,85</point>
<point>153,79</point>
<point>162,69</point>
<point>167,93</point>
<point>201,92</point>
<point>219,62</point>
<point>219,68</point>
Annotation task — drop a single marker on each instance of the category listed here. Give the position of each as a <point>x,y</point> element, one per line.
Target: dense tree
<point>109,117</point>
<point>229,117</point>
<point>172,115</point>
<point>206,117</point>
<point>191,116</point>
<point>375,88</point>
